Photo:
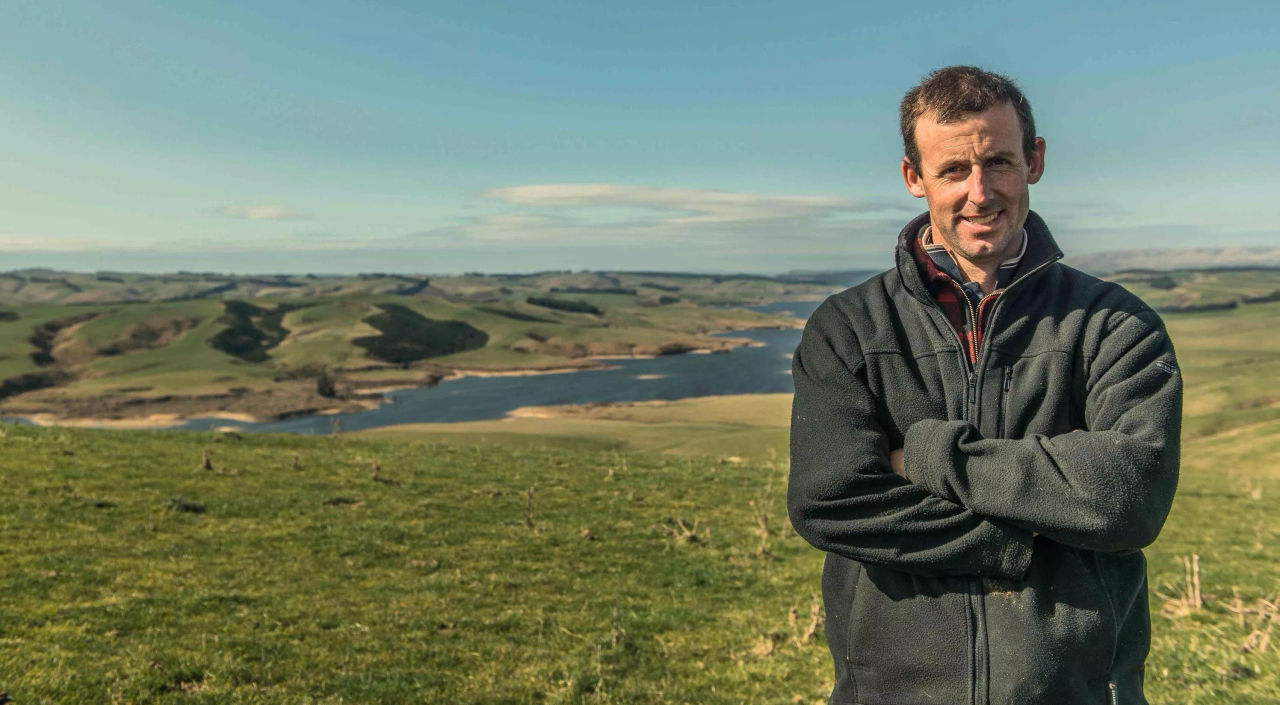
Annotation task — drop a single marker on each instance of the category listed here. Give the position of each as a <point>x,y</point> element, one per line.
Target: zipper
<point>972,318</point>
<point>1115,696</point>
<point>991,322</point>
<point>1115,612</point>
<point>972,633</point>
<point>1001,412</point>
<point>979,694</point>
<point>981,688</point>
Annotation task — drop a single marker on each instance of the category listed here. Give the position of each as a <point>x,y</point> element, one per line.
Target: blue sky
<point>516,136</point>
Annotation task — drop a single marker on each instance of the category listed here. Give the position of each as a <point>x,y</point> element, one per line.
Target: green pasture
<point>1194,287</point>
<point>321,335</point>
<point>626,554</point>
<point>15,336</point>
<point>115,322</point>
<point>189,365</point>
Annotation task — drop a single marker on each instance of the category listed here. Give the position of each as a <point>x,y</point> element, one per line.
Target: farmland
<point>135,349</point>
<point>635,554</point>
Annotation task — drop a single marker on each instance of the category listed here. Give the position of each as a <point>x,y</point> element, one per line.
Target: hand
<point>897,463</point>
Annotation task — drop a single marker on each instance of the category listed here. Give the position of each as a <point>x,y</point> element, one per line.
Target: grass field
<point>610,561</point>
<point>1197,287</point>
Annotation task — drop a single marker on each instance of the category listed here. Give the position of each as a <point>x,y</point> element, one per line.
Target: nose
<point>979,188</point>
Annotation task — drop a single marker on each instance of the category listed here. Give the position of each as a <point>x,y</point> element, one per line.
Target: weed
<point>677,529</point>
<point>805,637</point>
<point>178,504</point>
<point>1187,598</point>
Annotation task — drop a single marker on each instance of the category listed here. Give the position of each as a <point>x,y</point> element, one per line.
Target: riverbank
<point>732,427</point>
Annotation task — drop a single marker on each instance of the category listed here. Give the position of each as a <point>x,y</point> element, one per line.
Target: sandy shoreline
<point>771,410</point>
<point>140,422</point>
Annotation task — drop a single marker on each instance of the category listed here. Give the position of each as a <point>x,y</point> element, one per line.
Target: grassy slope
<point>1201,287</point>
<point>15,346</point>
<point>318,583</point>
<point>1225,511</point>
<point>187,366</point>
<point>321,335</point>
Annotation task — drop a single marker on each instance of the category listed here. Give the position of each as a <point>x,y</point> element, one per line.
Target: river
<point>764,369</point>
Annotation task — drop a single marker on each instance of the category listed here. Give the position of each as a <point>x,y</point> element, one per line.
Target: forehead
<point>996,129</point>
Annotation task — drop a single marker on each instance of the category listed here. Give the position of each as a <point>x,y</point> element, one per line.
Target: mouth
<point>983,221</point>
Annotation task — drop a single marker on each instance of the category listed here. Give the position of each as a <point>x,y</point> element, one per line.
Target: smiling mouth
<point>983,219</point>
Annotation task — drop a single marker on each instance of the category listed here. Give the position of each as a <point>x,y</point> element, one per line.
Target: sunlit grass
<point>622,559</point>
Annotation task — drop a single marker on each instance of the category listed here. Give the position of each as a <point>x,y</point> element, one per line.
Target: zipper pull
<point>1008,379</point>
<point>973,391</point>
<point>1115,698</point>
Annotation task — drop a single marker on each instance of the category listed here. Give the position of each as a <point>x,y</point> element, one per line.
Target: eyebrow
<point>1004,153</point>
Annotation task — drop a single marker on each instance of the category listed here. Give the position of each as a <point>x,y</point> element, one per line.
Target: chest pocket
<point>1041,394</point>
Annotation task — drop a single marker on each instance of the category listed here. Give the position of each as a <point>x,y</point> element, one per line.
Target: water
<point>747,370</point>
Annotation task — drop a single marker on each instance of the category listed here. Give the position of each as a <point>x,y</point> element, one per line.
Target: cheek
<point>1011,185</point>
<point>948,195</point>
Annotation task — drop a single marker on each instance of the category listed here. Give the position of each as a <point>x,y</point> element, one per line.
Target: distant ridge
<point>833,277</point>
<point>1180,258</point>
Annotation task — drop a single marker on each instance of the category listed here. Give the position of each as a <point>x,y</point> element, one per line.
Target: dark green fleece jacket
<point>1008,568</point>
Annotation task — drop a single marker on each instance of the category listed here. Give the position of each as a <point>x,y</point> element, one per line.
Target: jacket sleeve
<point>1107,487</point>
<point>842,495</point>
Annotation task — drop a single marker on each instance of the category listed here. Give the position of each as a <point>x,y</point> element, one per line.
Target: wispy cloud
<point>682,205</point>
<point>560,214</point>
<point>260,212</point>
<point>22,242</point>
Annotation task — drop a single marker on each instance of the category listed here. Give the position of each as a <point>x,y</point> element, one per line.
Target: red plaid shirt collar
<point>961,301</point>
<point>945,263</point>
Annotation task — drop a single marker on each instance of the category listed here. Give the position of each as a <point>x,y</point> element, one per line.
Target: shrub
<point>563,305</point>
<point>408,336</point>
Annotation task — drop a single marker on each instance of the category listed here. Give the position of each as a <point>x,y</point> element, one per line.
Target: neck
<point>985,274</point>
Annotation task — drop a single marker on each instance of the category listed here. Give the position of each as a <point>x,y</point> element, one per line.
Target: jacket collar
<point>1041,250</point>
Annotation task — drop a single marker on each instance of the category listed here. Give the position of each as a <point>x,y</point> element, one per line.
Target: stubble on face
<point>974,176</point>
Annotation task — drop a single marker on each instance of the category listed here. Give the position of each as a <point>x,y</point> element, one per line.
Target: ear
<point>1036,168</point>
<point>912,179</point>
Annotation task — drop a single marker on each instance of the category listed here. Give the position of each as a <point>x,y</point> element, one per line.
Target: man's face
<point>974,176</point>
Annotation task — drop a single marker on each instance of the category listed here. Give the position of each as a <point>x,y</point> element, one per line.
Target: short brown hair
<point>952,92</point>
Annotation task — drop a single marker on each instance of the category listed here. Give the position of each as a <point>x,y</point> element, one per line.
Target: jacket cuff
<point>927,452</point>
<point>1015,558</point>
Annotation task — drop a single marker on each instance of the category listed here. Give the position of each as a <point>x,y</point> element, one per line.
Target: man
<point>983,438</point>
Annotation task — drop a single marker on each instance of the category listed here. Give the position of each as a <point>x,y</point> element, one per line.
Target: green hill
<point>187,355</point>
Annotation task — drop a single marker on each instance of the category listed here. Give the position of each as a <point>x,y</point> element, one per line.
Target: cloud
<point>683,205</point>
<point>22,242</point>
<point>260,212</point>
<point>612,214</point>
<point>578,225</point>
